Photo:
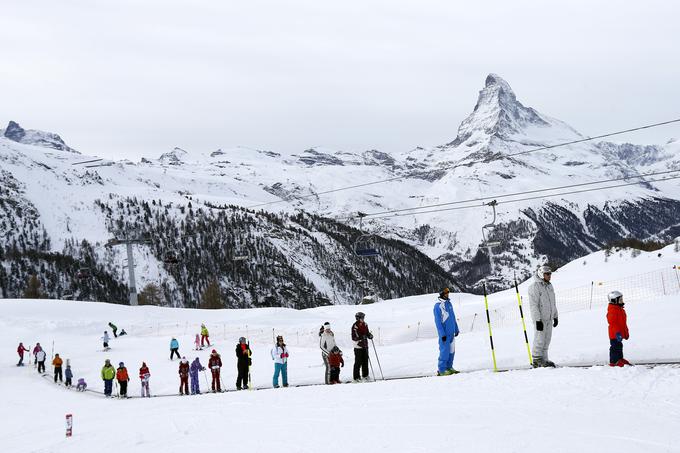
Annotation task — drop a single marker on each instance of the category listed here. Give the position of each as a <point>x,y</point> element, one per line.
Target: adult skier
<point>105,339</point>
<point>280,356</point>
<point>544,313</point>
<point>193,372</point>
<point>57,362</point>
<point>114,329</point>
<point>184,376</point>
<point>326,343</point>
<point>447,330</point>
<point>243,363</point>
<point>40,358</point>
<point>20,350</point>
<point>123,378</point>
<point>108,373</point>
<point>144,376</point>
<point>174,348</point>
<point>215,363</point>
<point>360,337</point>
<point>205,336</point>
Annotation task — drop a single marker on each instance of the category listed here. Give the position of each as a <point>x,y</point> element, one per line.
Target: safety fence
<point>636,289</point>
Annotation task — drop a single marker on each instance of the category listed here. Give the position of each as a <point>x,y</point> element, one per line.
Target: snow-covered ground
<point>592,409</point>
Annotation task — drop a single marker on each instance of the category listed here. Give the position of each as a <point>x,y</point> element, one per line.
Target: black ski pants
<point>360,362</point>
<point>57,373</point>
<point>615,350</point>
<point>123,387</point>
<point>174,351</point>
<point>335,375</point>
<point>242,378</point>
<point>41,367</point>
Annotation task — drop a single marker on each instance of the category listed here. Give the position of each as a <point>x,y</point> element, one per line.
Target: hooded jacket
<point>174,344</point>
<point>196,367</point>
<point>144,373</point>
<point>108,372</point>
<point>445,318</point>
<point>616,317</point>
<point>184,368</point>
<point>542,300</point>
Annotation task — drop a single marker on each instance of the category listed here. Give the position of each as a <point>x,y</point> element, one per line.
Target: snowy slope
<point>593,409</point>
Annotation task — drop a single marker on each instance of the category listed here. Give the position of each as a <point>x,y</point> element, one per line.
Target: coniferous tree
<point>212,297</point>
<point>151,295</point>
<point>33,288</point>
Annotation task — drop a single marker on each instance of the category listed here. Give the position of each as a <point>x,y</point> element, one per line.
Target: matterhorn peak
<point>498,113</point>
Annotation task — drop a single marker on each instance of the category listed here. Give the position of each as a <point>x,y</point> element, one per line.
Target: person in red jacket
<point>144,376</point>
<point>215,363</point>
<point>335,361</point>
<point>20,350</point>
<point>618,329</point>
<point>184,376</point>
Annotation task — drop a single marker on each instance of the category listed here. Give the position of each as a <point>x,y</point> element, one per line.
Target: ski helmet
<point>121,364</point>
<point>360,315</point>
<point>545,269</point>
<point>327,325</point>
<point>615,297</point>
<point>242,340</point>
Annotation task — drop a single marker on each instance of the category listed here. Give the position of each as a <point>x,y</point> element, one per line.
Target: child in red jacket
<point>335,361</point>
<point>618,329</point>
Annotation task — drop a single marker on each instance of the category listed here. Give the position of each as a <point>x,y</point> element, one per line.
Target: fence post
<point>677,276</point>
<point>663,285</point>
<point>418,331</point>
<point>592,285</point>
<point>379,337</point>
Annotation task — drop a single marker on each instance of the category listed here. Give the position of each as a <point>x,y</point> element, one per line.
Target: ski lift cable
<point>537,197</point>
<point>514,194</point>
<point>449,167</point>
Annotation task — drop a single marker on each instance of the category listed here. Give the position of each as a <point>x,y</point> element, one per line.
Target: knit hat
<point>327,325</point>
<point>214,351</point>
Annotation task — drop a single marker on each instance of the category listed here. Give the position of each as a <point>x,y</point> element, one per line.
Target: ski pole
<point>488,321</point>
<point>52,349</point>
<point>207,386</point>
<point>117,393</point>
<point>524,326</point>
<point>382,376</point>
<point>370,363</point>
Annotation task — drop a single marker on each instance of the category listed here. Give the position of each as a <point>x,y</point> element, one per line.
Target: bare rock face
<point>44,139</point>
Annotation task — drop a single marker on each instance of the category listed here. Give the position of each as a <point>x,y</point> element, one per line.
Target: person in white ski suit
<point>326,343</point>
<point>544,313</point>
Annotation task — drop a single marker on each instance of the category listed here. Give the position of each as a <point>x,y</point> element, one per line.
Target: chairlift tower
<point>129,242</point>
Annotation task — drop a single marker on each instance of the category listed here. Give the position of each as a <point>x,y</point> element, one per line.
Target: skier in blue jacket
<point>174,348</point>
<point>447,328</point>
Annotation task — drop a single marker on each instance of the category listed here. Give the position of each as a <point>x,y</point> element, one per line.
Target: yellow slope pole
<point>524,326</point>
<point>488,322</point>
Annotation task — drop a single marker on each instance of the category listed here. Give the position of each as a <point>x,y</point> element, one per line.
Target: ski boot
<point>549,364</point>
<point>537,362</point>
<point>451,371</point>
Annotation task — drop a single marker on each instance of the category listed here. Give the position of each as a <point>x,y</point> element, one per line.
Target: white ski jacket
<point>327,342</point>
<point>41,356</point>
<point>276,354</point>
<point>542,300</point>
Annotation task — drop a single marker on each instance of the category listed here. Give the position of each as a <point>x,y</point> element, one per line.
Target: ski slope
<point>592,409</point>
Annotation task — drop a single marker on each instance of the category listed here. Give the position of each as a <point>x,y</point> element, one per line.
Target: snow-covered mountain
<point>93,201</point>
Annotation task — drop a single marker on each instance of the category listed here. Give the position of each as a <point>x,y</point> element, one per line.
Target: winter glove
<point>282,355</point>
<point>370,336</point>
<point>444,338</point>
<point>456,334</point>
<point>619,337</point>
<point>539,326</point>
<point>555,322</point>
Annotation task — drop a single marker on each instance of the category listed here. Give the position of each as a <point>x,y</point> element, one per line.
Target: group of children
<point>331,354</point>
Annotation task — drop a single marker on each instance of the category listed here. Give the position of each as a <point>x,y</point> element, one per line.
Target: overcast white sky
<point>135,78</point>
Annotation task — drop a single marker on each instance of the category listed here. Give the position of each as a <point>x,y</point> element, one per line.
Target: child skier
<point>144,376</point>
<point>40,358</point>
<point>215,363</point>
<point>193,372</point>
<point>197,343</point>
<point>123,379</point>
<point>204,335</point>
<point>114,329</point>
<point>280,358</point>
<point>21,349</point>
<point>105,340</point>
<point>68,374</point>
<point>618,329</point>
<point>81,385</point>
<point>107,374</point>
<point>184,376</point>
<point>174,348</point>
<point>335,361</point>
<point>243,363</point>
<point>57,362</point>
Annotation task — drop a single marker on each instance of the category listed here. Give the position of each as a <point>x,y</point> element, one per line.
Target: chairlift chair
<point>240,256</point>
<point>486,243</point>
<point>364,245</point>
<point>83,273</point>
